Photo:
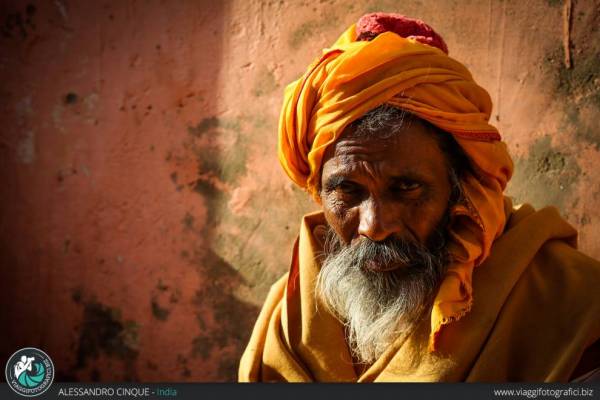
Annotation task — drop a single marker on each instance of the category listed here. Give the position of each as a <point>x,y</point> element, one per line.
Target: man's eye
<point>406,186</point>
<point>347,188</point>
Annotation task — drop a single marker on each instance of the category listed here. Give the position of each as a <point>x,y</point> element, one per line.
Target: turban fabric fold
<point>355,76</point>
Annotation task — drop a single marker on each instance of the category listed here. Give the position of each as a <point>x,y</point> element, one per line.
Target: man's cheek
<point>341,219</point>
<point>422,219</point>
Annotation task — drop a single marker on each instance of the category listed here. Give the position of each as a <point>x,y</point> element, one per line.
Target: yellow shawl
<point>535,313</point>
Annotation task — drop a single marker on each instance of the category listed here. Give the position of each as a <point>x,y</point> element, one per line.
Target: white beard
<point>376,307</point>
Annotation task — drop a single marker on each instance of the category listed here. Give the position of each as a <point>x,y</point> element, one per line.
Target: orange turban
<point>353,77</point>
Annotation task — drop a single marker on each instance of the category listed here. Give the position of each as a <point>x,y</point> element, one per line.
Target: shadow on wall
<point>89,311</point>
<point>217,148</point>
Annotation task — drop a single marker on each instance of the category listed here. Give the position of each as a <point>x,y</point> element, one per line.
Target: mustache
<point>410,286</point>
<point>391,253</point>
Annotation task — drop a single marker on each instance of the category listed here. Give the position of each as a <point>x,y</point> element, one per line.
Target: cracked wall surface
<point>144,213</point>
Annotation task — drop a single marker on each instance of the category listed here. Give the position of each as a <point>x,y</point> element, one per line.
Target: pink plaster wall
<point>144,214</point>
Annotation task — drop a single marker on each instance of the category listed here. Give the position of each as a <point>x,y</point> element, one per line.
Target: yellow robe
<point>536,310</point>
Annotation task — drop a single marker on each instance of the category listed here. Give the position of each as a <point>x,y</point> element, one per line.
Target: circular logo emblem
<point>29,372</point>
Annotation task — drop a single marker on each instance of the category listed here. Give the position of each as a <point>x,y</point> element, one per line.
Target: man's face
<point>386,198</point>
<point>378,189</point>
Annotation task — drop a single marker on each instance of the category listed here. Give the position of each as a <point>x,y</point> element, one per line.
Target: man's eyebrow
<point>334,180</point>
<point>409,175</point>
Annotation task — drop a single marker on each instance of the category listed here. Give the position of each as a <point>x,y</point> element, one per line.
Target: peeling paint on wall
<point>104,331</point>
<point>546,175</point>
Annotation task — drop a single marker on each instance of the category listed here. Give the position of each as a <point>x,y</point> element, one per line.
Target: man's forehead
<point>380,145</point>
<point>355,171</point>
<point>402,158</point>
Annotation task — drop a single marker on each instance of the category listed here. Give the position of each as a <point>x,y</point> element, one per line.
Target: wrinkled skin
<point>374,188</point>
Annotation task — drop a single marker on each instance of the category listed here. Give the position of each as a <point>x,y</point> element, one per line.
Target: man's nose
<point>378,221</point>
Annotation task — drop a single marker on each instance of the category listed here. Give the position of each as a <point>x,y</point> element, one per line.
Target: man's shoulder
<point>539,297</point>
<point>535,271</point>
<point>564,274</point>
<point>552,237</point>
<point>556,271</point>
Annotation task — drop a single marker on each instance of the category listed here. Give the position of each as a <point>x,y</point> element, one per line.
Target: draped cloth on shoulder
<point>351,78</point>
<point>536,314</point>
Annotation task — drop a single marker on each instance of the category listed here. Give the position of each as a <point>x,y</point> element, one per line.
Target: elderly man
<point>418,268</point>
